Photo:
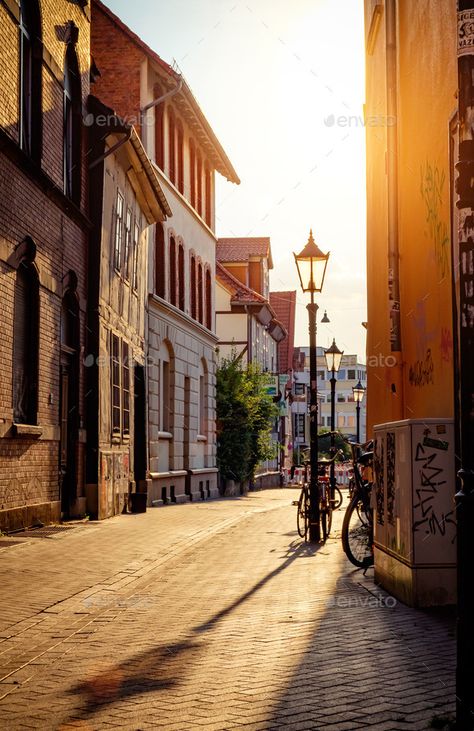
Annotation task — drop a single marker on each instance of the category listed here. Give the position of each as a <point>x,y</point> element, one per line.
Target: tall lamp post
<point>333,362</point>
<point>311,264</point>
<point>358,392</point>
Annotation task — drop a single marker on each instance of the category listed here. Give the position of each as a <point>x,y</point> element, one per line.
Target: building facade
<point>43,252</point>
<point>411,211</point>
<point>126,198</point>
<point>181,337</point>
<point>351,371</point>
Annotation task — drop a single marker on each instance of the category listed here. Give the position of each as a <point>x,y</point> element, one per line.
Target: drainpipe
<point>392,189</point>
<point>465,359</point>
<point>155,103</point>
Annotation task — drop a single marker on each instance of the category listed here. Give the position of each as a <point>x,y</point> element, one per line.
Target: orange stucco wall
<point>418,381</point>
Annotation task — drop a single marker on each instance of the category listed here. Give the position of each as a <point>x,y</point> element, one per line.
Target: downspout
<point>155,102</point>
<point>392,209</point>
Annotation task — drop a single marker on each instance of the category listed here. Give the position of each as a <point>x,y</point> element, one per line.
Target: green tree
<point>244,412</point>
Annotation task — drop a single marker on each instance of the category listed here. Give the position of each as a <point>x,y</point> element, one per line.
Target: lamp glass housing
<point>358,392</point>
<point>333,357</point>
<point>311,264</point>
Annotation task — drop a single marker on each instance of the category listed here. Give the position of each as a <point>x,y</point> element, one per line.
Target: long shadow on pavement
<point>167,665</point>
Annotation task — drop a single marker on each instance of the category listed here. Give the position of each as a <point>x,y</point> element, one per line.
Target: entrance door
<point>139,428</point>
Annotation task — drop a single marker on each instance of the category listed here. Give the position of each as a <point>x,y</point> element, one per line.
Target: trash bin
<point>138,502</point>
<point>414,511</point>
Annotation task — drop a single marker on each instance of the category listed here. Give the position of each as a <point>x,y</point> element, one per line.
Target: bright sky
<point>282,85</point>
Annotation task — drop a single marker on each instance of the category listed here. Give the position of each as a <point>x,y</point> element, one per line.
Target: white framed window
<point>127,244</point>
<point>118,239</point>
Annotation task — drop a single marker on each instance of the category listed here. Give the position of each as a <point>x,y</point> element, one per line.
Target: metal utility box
<point>414,511</point>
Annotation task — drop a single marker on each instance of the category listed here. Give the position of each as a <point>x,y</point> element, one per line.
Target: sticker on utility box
<point>435,443</point>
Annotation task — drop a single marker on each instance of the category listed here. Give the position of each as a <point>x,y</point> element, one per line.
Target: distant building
<point>44,85</point>
<point>350,373</point>
<point>246,322</point>
<point>147,91</point>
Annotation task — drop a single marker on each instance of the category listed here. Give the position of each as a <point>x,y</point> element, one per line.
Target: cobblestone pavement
<point>210,616</point>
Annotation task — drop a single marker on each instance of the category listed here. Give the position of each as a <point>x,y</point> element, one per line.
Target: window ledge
<point>27,430</point>
<point>165,435</point>
<point>201,438</point>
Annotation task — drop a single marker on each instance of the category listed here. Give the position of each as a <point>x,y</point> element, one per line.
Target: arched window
<point>160,266</point>
<point>159,135</point>
<point>172,297</point>
<point>202,426</point>
<point>181,289</point>
<point>30,78</point>
<point>208,181</point>
<point>192,172</point>
<point>180,142</point>
<point>171,146</point>
<point>199,184</point>
<point>200,294</point>
<point>193,287</point>
<point>25,344</point>
<point>166,388</point>
<point>208,300</point>
<point>72,125</point>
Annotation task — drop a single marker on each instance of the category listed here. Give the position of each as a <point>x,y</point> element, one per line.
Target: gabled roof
<point>240,293</point>
<point>284,304</point>
<point>184,99</point>
<point>241,249</point>
<point>142,174</point>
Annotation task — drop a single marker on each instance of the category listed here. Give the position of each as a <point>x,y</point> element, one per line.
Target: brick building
<point>145,91</point>
<point>45,46</point>
<point>126,198</point>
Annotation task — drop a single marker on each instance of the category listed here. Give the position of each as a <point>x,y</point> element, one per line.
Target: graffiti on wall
<point>446,345</point>
<point>391,477</point>
<point>427,515</point>
<point>421,371</point>
<point>431,189</point>
<point>379,479</point>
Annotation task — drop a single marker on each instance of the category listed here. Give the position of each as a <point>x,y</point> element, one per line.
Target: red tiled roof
<point>239,292</point>
<point>222,162</point>
<point>240,249</point>
<point>284,305</point>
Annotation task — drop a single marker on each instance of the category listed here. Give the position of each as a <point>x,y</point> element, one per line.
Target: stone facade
<point>43,253</point>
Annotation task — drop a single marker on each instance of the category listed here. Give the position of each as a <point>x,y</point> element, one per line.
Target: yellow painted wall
<point>427,82</point>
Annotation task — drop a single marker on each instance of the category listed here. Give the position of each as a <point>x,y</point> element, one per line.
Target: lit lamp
<point>358,392</point>
<point>311,264</point>
<point>333,362</point>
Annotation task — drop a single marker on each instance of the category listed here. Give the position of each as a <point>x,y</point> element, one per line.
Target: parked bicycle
<point>357,526</point>
<point>326,503</point>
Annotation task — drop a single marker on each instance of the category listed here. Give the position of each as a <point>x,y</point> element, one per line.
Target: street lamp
<point>311,264</point>
<point>333,362</point>
<point>358,392</point>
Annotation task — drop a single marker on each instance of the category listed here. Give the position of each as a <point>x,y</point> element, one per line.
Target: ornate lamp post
<point>311,264</point>
<point>333,362</point>
<point>358,392</point>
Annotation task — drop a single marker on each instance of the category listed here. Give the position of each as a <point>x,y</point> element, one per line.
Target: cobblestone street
<point>211,616</point>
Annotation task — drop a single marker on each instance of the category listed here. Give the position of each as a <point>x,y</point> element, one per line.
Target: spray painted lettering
<point>421,372</point>
<point>431,189</point>
<point>430,480</point>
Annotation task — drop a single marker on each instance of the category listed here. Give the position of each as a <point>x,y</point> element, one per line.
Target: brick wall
<point>119,84</point>
<point>29,468</point>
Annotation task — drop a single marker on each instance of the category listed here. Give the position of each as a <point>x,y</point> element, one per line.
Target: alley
<point>210,616</point>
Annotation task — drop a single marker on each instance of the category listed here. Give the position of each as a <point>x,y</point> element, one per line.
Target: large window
<point>159,260</point>
<point>127,247</point>
<point>72,125</point>
<point>180,160</point>
<point>202,399</point>
<point>171,146</point>
<point>25,345</point>
<point>200,294</point>
<point>199,184</point>
<point>193,287</point>
<point>208,300</point>
<point>120,384</point>
<point>118,241</point>
<point>299,424</point>
<point>208,195</point>
<point>165,389</point>
<point>181,285</point>
<point>30,78</point>
<point>192,172</point>
<point>172,280</point>
<point>136,255</point>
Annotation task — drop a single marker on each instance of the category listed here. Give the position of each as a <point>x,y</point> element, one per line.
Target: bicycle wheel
<point>326,514</point>
<point>357,534</point>
<point>302,514</point>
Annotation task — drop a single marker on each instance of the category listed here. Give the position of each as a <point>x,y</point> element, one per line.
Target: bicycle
<point>357,526</point>
<point>326,503</point>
